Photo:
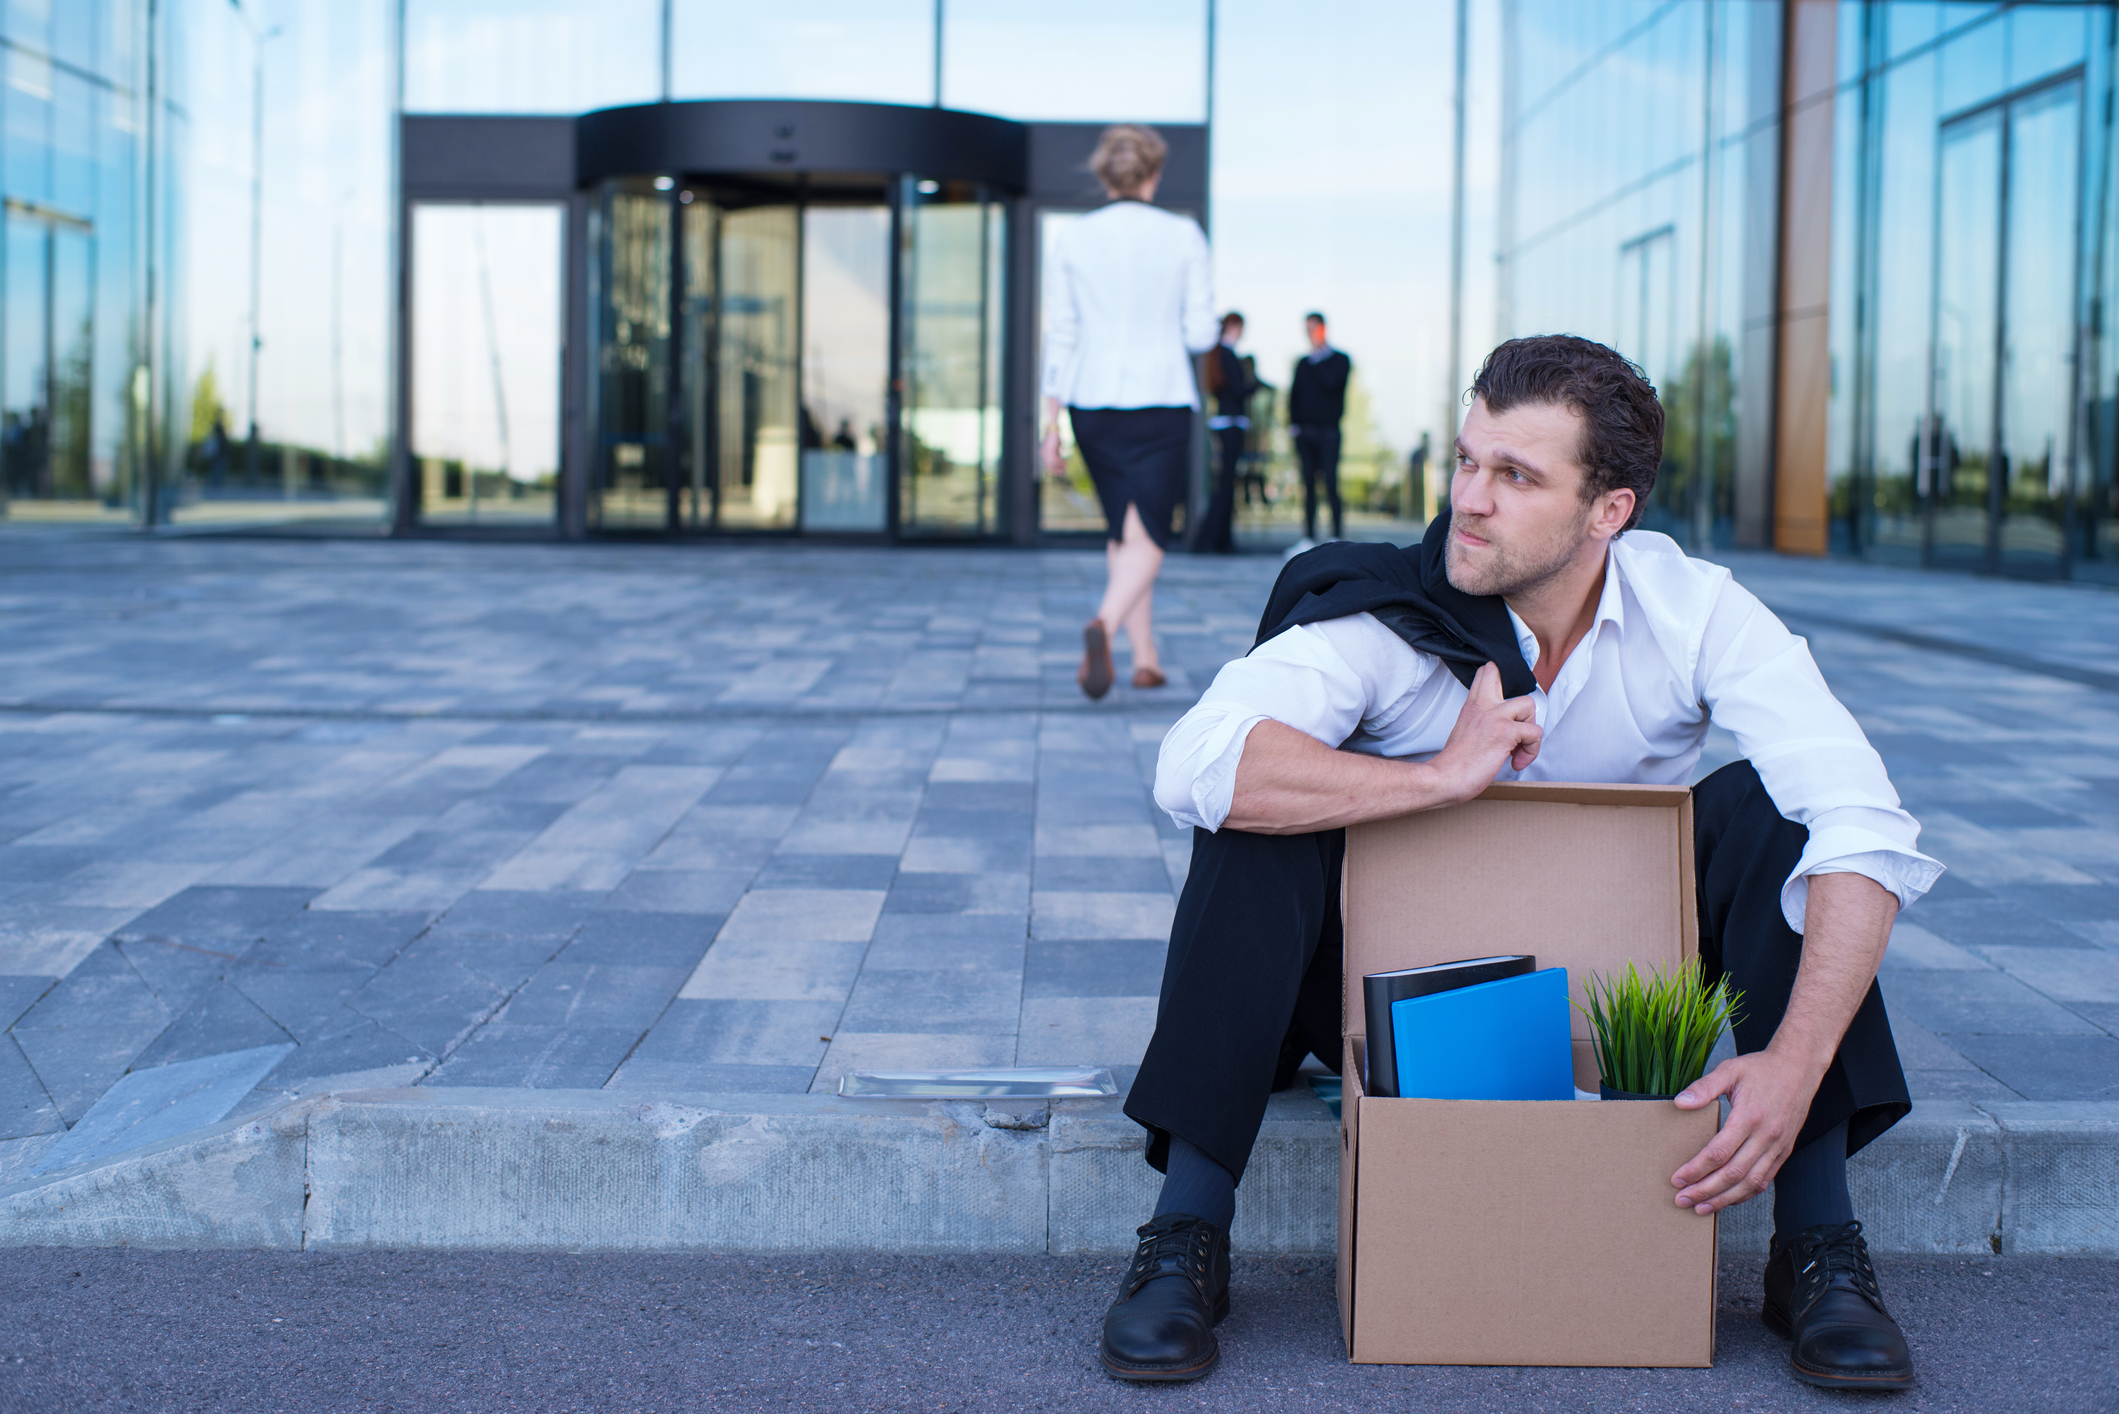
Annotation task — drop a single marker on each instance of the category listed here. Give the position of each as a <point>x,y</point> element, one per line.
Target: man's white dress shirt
<point>1677,644</point>
<point>1128,300</point>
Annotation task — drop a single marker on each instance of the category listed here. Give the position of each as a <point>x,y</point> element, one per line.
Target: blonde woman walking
<point>1128,302</point>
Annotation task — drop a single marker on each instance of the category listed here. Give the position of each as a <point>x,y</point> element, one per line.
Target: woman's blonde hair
<point>1128,157</point>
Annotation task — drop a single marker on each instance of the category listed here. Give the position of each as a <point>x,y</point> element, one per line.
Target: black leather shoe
<point>1176,1292</point>
<point>1821,1293</point>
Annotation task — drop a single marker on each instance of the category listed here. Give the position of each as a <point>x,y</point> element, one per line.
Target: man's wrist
<point>1812,1056</point>
<point>1434,785</point>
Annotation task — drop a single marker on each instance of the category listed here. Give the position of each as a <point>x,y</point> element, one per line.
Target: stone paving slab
<point>581,817</point>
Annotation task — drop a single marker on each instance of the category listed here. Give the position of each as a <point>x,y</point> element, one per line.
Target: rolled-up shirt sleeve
<point>1321,679</point>
<point>1759,682</point>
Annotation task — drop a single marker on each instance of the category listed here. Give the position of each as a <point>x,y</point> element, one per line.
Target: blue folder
<point>1505,1040</point>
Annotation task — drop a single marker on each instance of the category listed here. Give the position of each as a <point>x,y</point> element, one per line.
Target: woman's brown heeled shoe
<point>1148,677</point>
<point>1096,670</point>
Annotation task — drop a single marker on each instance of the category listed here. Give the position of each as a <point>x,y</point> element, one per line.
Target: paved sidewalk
<point>712,818</point>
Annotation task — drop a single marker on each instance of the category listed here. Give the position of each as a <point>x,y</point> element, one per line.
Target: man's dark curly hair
<point>1622,421</point>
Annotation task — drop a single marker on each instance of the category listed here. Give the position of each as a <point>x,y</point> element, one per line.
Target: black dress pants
<point>1255,957</point>
<point>1317,449</point>
<point>1217,528</point>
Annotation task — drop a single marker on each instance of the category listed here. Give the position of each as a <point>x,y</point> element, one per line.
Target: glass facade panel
<point>756,404</point>
<point>869,51</point>
<point>633,452</point>
<point>486,335</point>
<point>2038,346</point>
<point>1976,166</point>
<point>1970,416</point>
<point>85,365</point>
<point>701,224</point>
<point>951,373</point>
<point>846,368</point>
<point>531,56</point>
<point>1629,212</point>
<point>1967,325</point>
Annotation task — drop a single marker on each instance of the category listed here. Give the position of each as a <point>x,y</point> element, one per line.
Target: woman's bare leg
<point>1140,633</point>
<point>1129,593</point>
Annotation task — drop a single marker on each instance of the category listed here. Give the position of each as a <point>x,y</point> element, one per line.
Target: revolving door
<point>800,355</point>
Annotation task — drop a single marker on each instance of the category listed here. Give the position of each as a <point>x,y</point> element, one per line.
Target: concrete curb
<point>595,1170</point>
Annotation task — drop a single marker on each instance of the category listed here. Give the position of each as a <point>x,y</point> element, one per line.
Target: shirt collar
<point>1611,608</point>
<point>1319,355</point>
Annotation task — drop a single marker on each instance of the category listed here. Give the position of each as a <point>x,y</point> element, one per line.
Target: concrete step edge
<point>596,1170</point>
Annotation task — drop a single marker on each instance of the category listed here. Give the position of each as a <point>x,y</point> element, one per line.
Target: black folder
<point>1380,989</point>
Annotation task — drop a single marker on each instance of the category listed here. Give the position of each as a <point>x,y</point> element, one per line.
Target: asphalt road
<point>292,1333</point>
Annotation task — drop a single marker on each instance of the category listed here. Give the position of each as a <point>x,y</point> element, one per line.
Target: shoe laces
<point>1180,1248</point>
<point>1827,1256</point>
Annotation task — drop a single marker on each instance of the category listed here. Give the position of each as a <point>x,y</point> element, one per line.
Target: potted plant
<point>1652,1035</point>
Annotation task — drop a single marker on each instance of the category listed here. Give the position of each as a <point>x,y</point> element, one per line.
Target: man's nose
<point>1470,495</point>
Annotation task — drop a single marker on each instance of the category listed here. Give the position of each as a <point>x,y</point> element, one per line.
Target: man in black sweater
<point>1316,402</point>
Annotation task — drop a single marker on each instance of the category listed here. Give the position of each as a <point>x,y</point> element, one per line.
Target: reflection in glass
<point>755,404</point>
<point>952,365</point>
<point>635,353</point>
<point>2038,356</point>
<point>845,367</point>
<point>1967,319</point>
<point>486,331</point>
<point>1647,301</point>
<point>702,228</point>
<point>48,359</point>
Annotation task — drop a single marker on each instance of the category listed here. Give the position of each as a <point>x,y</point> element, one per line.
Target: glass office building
<point>87,327</point>
<point>1861,248</point>
<point>303,305</point>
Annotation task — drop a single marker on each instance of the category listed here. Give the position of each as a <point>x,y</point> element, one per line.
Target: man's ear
<point>1613,510</point>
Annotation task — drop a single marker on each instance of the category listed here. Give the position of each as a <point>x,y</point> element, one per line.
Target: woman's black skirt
<point>1137,457</point>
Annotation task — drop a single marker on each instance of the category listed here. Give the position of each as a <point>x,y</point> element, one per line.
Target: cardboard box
<point>1492,1232</point>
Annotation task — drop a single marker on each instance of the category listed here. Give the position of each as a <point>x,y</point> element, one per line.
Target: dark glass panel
<point>952,399</point>
<point>634,357</point>
<point>2038,355</point>
<point>1966,332</point>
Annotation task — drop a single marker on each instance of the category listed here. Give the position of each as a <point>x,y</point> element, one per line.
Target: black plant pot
<point>1605,1092</point>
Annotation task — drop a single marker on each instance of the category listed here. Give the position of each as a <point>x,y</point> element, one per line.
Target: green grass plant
<point>1653,1034</point>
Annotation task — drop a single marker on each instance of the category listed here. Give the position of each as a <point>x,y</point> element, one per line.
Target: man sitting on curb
<point>1524,639</point>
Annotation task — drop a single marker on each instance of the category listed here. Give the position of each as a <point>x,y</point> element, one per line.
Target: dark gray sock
<point>1197,1185</point>
<point>1811,1187</point>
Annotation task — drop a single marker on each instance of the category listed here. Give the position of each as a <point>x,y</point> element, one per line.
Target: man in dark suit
<point>1316,402</point>
<point>1230,381</point>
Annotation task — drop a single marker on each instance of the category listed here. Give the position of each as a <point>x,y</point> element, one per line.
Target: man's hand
<point>1049,452</point>
<point>1490,729</point>
<point>1846,924</point>
<point>1770,1098</point>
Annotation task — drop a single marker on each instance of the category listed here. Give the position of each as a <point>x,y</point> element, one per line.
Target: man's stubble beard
<point>1510,569</point>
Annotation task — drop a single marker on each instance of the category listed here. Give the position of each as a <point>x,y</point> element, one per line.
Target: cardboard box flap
<point>1583,876</point>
